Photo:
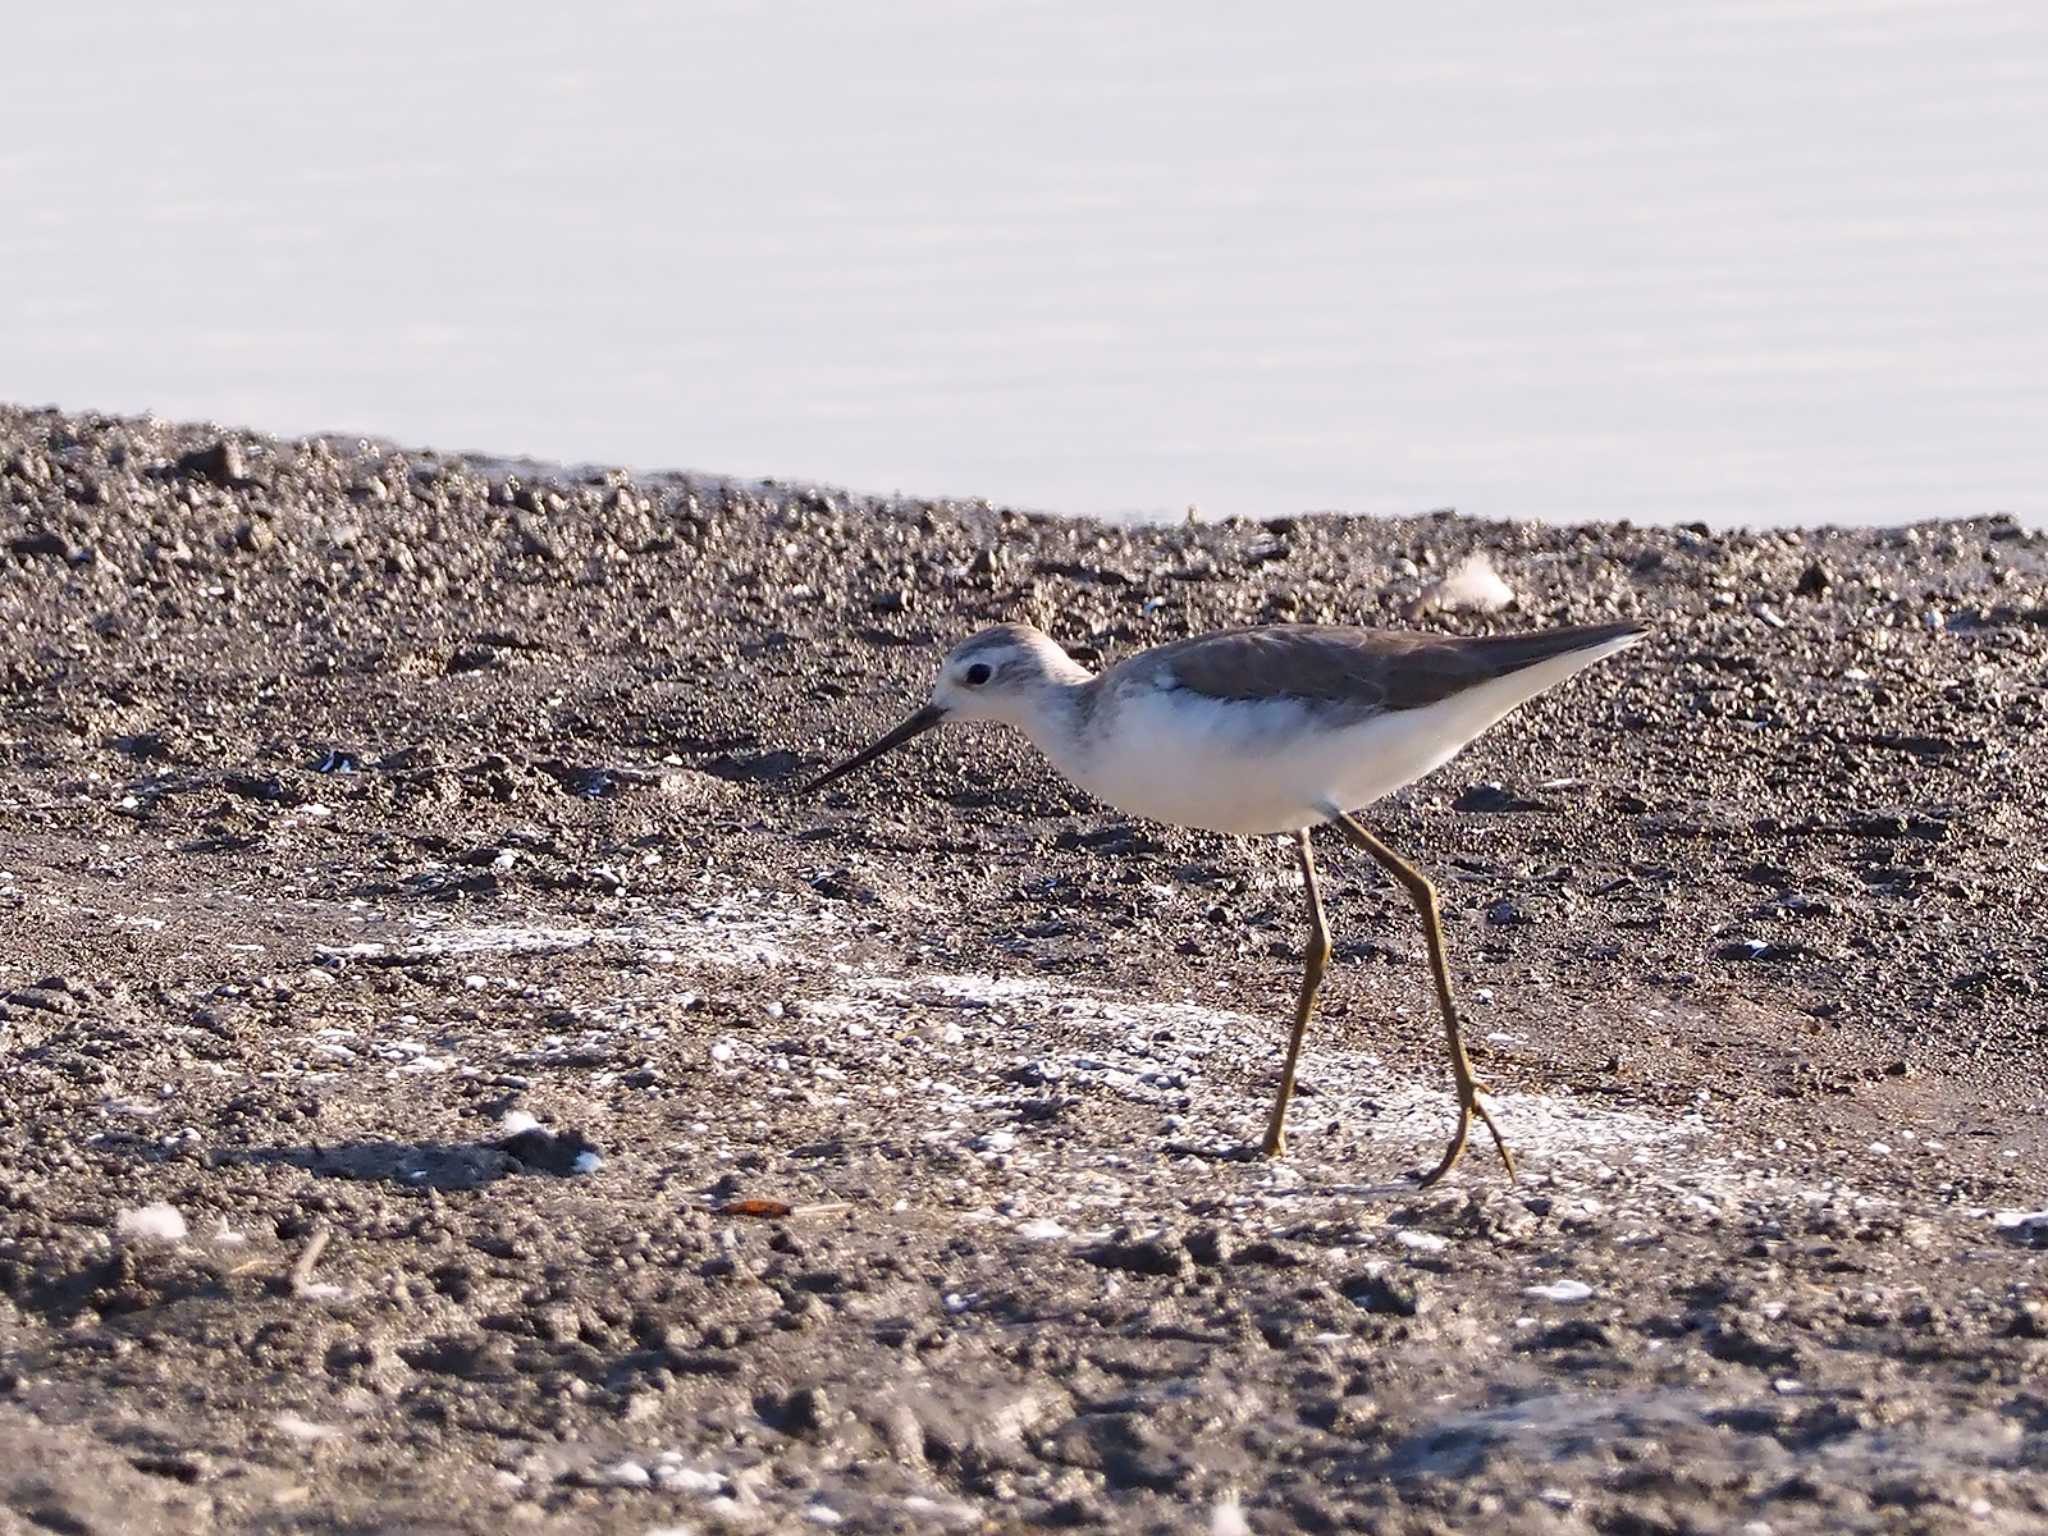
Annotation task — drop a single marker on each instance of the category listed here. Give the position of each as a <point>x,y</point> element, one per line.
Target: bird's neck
<point>1056,718</point>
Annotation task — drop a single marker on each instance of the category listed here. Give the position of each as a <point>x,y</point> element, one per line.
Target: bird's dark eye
<point>977,674</point>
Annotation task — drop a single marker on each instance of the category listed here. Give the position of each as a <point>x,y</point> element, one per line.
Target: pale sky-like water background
<point>1755,261</point>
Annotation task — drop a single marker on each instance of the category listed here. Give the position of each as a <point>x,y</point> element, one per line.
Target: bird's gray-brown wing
<point>1354,671</point>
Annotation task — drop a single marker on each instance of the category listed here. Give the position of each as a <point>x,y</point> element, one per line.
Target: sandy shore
<point>360,810</point>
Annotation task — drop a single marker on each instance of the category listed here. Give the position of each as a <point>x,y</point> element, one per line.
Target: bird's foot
<point>1469,1105</point>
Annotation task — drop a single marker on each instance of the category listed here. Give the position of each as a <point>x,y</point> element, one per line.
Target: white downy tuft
<point>1227,1519</point>
<point>293,1427</point>
<point>158,1223</point>
<point>1473,585</point>
<point>1560,1291</point>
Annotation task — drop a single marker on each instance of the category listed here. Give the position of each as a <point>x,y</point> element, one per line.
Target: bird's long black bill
<point>916,725</point>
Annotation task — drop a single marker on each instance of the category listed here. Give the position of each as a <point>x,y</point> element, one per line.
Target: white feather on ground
<point>1473,585</point>
<point>293,1427</point>
<point>159,1223</point>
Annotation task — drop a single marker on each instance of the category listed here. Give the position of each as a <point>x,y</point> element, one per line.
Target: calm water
<point>1782,260</point>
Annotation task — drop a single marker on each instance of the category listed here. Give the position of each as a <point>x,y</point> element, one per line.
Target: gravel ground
<point>451,1084</point>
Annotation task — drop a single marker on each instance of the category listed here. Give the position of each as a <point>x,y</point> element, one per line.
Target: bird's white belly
<point>1250,767</point>
<point>1255,766</point>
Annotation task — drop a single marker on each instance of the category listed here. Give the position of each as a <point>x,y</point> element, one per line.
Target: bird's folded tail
<point>1500,655</point>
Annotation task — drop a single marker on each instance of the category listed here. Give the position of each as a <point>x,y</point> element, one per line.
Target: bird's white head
<point>1003,674</point>
<point>1012,673</point>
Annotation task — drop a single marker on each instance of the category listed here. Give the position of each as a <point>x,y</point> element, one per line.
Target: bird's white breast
<point>1239,766</point>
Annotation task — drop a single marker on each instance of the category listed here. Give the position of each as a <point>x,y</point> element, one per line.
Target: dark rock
<point>39,545</point>
<point>1491,797</point>
<point>1759,949</point>
<point>1073,1514</point>
<point>44,997</point>
<point>1578,1333</point>
<point>1152,1256</point>
<point>1814,580</point>
<point>1746,1340</point>
<point>1272,1255</point>
<point>843,885</point>
<point>1119,839</point>
<point>1897,823</point>
<point>808,1411</point>
<point>270,790</point>
<point>767,766</point>
<point>1128,1449</point>
<point>221,462</point>
<point>1386,1292</point>
<point>534,539</point>
<point>2030,1232</point>
<point>30,468</point>
<point>702,1363</point>
<point>474,659</point>
<point>147,746</point>
<point>2029,1320</point>
<point>540,1150</point>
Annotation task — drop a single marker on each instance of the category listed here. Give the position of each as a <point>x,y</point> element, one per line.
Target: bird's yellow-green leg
<point>1318,961</point>
<point>1423,895</point>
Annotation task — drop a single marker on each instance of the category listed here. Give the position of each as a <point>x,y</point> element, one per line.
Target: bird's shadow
<point>437,1165</point>
<point>1390,1189</point>
<point>1393,1189</point>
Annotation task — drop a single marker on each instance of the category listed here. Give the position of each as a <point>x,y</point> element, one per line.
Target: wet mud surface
<point>449,1083</point>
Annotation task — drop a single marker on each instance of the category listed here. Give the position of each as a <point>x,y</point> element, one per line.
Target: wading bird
<point>1274,730</point>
